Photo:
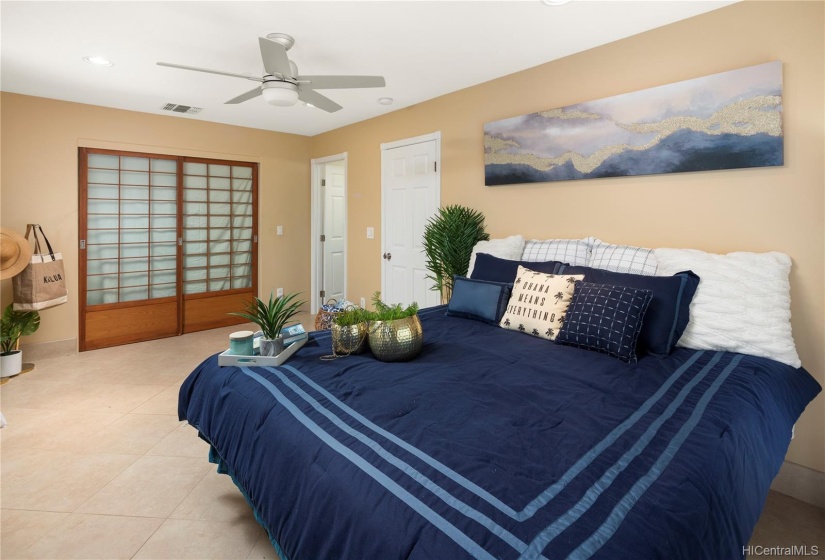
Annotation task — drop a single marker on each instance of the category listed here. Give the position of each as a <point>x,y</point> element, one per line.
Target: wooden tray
<point>227,359</point>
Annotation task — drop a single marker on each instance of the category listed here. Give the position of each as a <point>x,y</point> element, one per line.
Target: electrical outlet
<point>363,303</point>
<point>279,230</point>
<point>370,233</point>
<point>279,292</point>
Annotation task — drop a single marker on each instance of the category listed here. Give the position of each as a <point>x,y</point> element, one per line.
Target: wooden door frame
<point>385,146</point>
<point>316,252</point>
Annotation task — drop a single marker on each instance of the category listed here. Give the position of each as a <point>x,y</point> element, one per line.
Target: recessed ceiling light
<point>385,100</point>
<point>554,2</point>
<point>98,61</point>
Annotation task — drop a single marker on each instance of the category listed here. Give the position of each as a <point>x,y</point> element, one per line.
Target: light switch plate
<point>370,233</point>
<point>279,230</point>
<point>279,292</point>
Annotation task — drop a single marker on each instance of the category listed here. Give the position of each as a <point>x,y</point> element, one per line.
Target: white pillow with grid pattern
<point>623,258</point>
<point>575,252</point>
<point>509,248</point>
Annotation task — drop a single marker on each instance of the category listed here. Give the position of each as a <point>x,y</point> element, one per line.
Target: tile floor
<point>96,465</point>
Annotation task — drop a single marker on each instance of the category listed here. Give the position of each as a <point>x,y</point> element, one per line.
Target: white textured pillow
<point>622,258</point>
<point>742,304</point>
<point>575,252</point>
<point>509,248</point>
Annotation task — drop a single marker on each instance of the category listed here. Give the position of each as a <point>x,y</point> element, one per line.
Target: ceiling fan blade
<point>275,59</point>
<point>219,72</point>
<point>343,82</point>
<point>314,98</point>
<point>244,97</point>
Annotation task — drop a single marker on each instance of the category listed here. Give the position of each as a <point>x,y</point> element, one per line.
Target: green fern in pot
<point>271,317</point>
<point>449,238</point>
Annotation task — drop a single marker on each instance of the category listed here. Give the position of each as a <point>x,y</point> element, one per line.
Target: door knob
<point>388,256</point>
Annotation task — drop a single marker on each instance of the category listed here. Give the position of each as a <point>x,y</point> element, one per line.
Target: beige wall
<point>751,209</point>
<point>40,138</point>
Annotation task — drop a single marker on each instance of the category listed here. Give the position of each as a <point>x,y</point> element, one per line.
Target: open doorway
<point>329,230</point>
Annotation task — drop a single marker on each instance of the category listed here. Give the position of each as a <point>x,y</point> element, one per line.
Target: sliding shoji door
<point>168,245</point>
<point>219,241</point>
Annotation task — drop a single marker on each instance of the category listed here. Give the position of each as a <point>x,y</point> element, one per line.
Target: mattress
<point>496,444</point>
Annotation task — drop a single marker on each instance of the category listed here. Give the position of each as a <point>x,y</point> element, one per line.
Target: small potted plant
<point>395,332</point>
<point>13,325</point>
<point>271,317</point>
<point>349,331</point>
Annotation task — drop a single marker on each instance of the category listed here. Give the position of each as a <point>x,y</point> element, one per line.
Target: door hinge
<point>435,166</point>
<point>323,182</point>
<point>323,293</point>
<point>82,244</point>
<point>180,241</point>
<point>323,238</point>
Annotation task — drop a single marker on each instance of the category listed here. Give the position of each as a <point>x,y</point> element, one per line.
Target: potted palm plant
<point>13,325</point>
<point>271,317</point>
<point>449,238</point>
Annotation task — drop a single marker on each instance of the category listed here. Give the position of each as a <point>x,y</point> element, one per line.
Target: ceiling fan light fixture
<point>385,100</point>
<point>98,61</point>
<point>280,94</point>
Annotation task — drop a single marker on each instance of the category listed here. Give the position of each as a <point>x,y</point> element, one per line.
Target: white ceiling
<point>424,49</point>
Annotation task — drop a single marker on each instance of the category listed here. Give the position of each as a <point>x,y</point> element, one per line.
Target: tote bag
<point>42,284</point>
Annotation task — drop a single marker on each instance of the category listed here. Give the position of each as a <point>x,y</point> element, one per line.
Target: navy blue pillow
<point>494,269</point>
<point>669,311</point>
<point>606,319</point>
<point>478,299</point>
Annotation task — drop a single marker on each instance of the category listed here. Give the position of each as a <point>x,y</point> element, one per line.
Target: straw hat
<point>15,253</point>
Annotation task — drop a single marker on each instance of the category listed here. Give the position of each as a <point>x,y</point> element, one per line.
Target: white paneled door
<point>410,197</point>
<point>334,232</point>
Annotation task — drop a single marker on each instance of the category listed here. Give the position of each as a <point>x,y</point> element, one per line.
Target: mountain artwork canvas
<point>723,121</point>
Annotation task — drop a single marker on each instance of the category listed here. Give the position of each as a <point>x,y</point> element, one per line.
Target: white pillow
<point>742,304</point>
<point>509,248</point>
<point>622,258</point>
<point>575,252</point>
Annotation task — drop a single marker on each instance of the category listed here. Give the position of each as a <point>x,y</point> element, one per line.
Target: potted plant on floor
<point>395,333</point>
<point>271,317</point>
<point>449,238</point>
<point>13,325</point>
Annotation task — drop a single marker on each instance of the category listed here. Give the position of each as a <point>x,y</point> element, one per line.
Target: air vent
<point>175,108</point>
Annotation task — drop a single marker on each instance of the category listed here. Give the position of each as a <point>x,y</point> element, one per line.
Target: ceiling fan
<point>282,85</point>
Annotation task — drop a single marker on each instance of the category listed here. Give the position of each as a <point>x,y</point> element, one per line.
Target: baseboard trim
<point>52,349</point>
<point>801,483</point>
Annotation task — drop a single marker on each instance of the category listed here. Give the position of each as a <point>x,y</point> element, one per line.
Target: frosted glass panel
<point>164,207</point>
<point>241,258</point>
<point>164,249</point>
<point>219,183</point>
<point>103,191</point>
<point>242,184</point>
<point>241,246</point>
<point>194,261</point>
<point>194,274</point>
<point>220,196</point>
<point>243,233</point>
<point>163,263</point>
<point>102,206</point>
<point>134,279</point>
<point>164,277</point>
<point>195,208</point>
<point>134,265</point>
<point>95,282</point>
<point>158,235</point>
<point>133,178</point>
<point>242,196</point>
<point>134,222</point>
<point>194,287</point>
<point>195,234</point>
<point>134,236</point>
<point>103,176</point>
<point>222,209</point>
<point>218,170</point>
<point>165,180</point>
<point>193,248</point>
<point>134,294</point>
<point>242,270</point>
<point>242,221</point>
<point>241,282</point>
<point>164,222</point>
<point>219,222</point>
<point>134,163</point>
<point>218,260</point>
<point>102,267</point>
<point>194,168</point>
<point>165,165</point>
<point>217,234</point>
<point>139,207</point>
<point>102,222</point>
<point>219,247</point>
<point>141,193</point>
<point>163,290</point>
<point>102,251</point>
<point>242,209</point>
<point>96,237</point>
<point>104,161</point>
<point>98,297</point>
<point>243,172</point>
<point>137,250</point>
<point>194,195</point>
<point>194,182</point>
<point>218,285</point>
<point>218,272</point>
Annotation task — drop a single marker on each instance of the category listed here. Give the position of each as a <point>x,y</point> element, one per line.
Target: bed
<point>495,444</point>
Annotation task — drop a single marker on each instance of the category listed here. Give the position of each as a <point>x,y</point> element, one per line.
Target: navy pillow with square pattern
<point>606,319</point>
<point>478,299</point>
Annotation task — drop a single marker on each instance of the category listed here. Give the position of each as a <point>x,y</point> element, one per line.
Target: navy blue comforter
<point>495,444</point>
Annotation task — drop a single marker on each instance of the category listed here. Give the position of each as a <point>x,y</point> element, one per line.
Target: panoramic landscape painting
<point>723,121</point>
